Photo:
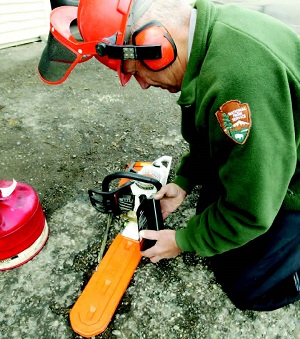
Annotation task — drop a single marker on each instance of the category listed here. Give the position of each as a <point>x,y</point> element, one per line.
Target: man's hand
<point>171,197</point>
<point>165,247</point>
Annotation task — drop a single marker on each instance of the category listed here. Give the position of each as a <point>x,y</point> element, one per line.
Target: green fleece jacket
<point>240,101</point>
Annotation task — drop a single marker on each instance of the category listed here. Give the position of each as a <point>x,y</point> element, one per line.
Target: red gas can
<point>23,227</point>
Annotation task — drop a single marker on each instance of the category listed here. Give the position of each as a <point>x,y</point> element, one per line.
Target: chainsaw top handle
<point>129,175</point>
<point>121,199</point>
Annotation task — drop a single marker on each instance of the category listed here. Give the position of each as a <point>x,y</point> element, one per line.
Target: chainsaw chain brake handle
<point>121,199</point>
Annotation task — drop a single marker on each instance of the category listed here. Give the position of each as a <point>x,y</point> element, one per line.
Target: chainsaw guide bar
<point>96,305</point>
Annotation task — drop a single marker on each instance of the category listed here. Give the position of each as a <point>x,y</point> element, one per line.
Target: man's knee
<point>282,294</point>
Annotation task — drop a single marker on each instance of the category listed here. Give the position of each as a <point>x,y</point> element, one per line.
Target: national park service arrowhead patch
<point>235,120</point>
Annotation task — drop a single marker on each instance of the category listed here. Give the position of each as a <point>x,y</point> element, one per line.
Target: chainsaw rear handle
<point>129,175</point>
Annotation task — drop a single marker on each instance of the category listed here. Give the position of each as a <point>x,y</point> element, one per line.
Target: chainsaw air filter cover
<point>23,227</point>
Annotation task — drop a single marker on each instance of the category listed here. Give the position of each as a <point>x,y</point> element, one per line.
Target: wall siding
<point>23,21</point>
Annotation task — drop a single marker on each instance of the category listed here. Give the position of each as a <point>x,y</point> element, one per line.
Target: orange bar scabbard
<point>96,305</point>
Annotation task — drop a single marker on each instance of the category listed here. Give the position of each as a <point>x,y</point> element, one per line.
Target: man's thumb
<point>160,194</point>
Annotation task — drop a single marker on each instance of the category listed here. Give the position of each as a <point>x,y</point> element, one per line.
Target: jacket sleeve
<point>253,177</point>
<point>254,181</point>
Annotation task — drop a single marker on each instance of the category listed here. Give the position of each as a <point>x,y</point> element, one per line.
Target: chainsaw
<point>132,198</point>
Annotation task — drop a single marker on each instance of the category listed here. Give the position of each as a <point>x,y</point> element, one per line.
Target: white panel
<point>23,21</point>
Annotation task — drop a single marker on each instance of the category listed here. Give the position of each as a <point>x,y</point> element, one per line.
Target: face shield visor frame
<point>63,51</point>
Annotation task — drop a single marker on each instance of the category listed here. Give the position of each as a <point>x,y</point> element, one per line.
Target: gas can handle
<point>7,191</point>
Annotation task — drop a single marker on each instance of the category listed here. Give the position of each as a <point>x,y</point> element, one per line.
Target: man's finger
<point>149,253</point>
<point>148,234</point>
<point>155,259</point>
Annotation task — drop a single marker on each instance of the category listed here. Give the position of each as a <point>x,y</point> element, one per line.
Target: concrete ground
<point>64,139</point>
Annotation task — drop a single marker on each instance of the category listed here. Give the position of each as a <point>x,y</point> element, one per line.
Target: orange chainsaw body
<point>97,304</point>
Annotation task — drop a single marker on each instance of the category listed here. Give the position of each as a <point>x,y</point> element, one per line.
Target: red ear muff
<point>154,33</point>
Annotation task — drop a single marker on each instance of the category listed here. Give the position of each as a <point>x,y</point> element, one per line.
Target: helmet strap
<point>128,52</point>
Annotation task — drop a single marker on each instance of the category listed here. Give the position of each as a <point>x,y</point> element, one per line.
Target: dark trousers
<point>264,274</point>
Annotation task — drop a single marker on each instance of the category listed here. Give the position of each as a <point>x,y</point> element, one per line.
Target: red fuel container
<point>23,226</point>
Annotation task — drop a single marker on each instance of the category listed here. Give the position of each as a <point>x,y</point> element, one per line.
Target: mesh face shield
<point>57,61</point>
<point>63,52</point>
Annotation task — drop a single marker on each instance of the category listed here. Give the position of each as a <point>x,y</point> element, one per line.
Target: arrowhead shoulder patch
<point>235,120</point>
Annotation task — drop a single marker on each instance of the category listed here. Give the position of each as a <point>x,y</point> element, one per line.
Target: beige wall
<point>23,21</point>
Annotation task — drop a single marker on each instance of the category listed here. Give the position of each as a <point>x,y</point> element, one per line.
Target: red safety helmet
<point>104,27</point>
<point>101,20</point>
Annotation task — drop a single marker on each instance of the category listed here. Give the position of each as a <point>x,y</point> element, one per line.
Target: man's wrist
<point>182,241</point>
